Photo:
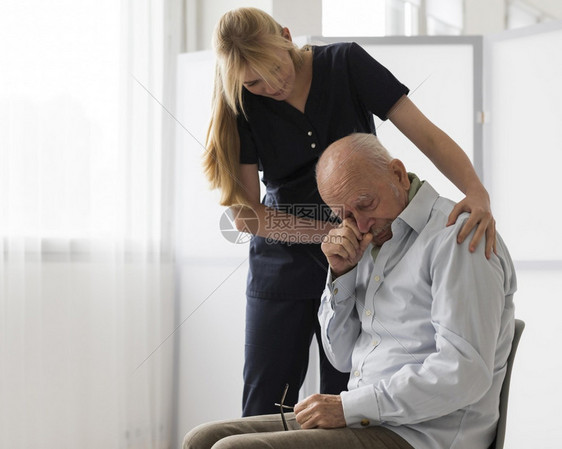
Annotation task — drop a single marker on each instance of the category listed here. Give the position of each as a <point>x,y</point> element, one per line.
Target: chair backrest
<point>504,395</point>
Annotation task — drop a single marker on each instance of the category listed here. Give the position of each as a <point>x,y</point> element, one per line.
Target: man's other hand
<point>324,411</point>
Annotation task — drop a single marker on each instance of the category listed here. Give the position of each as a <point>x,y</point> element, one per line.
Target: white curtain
<point>86,277</point>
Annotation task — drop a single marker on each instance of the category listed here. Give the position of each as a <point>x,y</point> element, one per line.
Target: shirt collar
<point>421,198</point>
<point>417,212</point>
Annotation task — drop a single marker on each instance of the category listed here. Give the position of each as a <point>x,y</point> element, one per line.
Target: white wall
<point>550,7</point>
<point>484,16</point>
<point>210,271</point>
<point>308,20</point>
<point>207,13</point>
<point>524,141</point>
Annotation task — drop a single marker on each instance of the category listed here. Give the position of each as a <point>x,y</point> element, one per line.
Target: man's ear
<point>286,34</point>
<point>398,170</point>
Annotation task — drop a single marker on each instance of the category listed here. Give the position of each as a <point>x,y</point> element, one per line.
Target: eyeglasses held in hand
<point>282,407</point>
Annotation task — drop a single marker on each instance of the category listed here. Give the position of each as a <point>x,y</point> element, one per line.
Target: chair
<point>504,395</point>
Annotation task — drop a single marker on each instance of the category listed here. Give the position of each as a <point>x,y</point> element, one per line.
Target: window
<point>402,17</point>
<point>353,18</point>
<point>520,14</point>
<point>392,17</point>
<point>444,17</point>
<point>80,141</point>
<point>59,126</point>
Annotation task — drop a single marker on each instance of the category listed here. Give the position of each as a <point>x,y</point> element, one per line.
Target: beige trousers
<point>266,432</point>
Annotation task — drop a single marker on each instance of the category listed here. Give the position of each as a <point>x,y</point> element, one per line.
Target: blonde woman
<point>276,107</point>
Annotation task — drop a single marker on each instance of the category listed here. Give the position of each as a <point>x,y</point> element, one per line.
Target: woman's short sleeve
<point>376,86</point>
<point>248,153</point>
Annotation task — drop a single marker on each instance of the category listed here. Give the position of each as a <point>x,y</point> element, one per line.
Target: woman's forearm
<point>277,225</point>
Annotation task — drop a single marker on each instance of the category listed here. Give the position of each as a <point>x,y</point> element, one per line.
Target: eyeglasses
<point>282,407</point>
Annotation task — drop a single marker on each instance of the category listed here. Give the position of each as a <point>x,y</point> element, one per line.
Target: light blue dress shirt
<point>425,331</point>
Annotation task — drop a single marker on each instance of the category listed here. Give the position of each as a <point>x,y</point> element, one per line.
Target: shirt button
<point>365,422</point>
<point>313,145</point>
<point>375,342</point>
<point>368,312</point>
<point>309,133</point>
<point>377,278</point>
<point>335,291</point>
<point>356,373</point>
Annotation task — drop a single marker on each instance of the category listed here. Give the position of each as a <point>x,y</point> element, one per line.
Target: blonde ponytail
<point>221,161</point>
<point>244,37</point>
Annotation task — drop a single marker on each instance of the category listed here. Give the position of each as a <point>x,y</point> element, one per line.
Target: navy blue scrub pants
<point>278,337</point>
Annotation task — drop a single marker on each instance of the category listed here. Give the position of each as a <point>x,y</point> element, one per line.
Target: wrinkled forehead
<point>344,187</point>
<point>351,185</point>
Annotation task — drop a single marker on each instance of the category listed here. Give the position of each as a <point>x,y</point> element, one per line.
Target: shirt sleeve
<point>339,322</point>
<point>248,152</point>
<point>468,301</point>
<point>376,87</point>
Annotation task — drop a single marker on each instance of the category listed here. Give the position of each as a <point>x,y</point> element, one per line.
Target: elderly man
<point>423,325</point>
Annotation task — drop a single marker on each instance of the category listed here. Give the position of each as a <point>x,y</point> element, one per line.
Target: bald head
<point>349,155</point>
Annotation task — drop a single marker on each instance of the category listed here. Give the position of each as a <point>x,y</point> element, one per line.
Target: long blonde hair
<point>243,38</point>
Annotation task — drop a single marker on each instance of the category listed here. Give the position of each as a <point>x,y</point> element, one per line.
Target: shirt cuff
<point>360,407</point>
<point>343,287</point>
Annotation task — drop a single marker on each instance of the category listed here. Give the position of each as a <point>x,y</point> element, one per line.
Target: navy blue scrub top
<point>348,87</point>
